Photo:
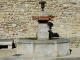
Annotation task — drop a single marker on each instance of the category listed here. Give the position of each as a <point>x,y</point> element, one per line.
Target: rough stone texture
<point>16,21</point>
<point>75,42</point>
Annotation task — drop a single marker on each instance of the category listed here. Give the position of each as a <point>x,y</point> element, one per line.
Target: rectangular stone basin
<point>43,48</point>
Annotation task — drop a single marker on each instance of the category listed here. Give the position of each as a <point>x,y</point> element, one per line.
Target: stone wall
<point>75,42</point>
<point>16,21</point>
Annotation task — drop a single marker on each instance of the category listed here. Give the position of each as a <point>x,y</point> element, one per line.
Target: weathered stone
<point>13,25</point>
<point>24,30</point>
<point>65,5</point>
<point>10,32</point>
<point>2,15</point>
<point>77,15</point>
<point>26,5</point>
<point>77,9</point>
<point>33,0</point>
<point>78,0</point>
<point>78,4</point>
<point>43,48</point>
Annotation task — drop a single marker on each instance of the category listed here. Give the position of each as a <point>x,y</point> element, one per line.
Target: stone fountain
<point>45,45</point>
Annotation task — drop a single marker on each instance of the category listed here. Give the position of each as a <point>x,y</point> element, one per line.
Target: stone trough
<point>43,48</point>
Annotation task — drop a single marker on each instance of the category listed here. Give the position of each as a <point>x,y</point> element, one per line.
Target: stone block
<point>44,50</point>
<point>10,32</point>
<point>33,0</point>
<point>77,15</point>
<point>78,0</point>
<point>65,5</point>
<point>22,10</point>
<point>13,25</point>
<point>25,49</point>
<point>78,4</point>
<point>62,50</point>
<point>78,10</point>
<point>2,15</point>
<point>26,5</point>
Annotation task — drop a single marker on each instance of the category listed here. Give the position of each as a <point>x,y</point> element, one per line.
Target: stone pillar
<point>42,32</point>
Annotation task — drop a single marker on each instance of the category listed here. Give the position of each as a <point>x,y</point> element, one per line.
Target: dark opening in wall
<point>3,46</point>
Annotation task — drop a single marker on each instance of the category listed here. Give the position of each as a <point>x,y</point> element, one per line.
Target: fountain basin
<point>43,48</point>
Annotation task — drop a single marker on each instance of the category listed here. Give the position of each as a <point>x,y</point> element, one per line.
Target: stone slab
<point>53,41</point>
<point>6,41</point>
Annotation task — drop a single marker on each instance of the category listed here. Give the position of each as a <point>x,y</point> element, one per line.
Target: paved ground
<point>8,53</point>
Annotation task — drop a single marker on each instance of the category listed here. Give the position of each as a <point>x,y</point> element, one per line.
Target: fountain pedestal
<point>42,32</point>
